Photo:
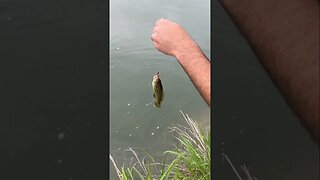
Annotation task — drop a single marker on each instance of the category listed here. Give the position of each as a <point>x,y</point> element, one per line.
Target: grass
<point>190,158</point>
<point>192,155</point>
<point>243,167</point>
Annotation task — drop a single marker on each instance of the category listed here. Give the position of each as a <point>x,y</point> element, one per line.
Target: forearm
<point>285,36</point>
<point>197,66</point>
<point>171,39</point>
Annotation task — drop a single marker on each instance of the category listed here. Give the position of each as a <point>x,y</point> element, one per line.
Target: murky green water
<point>134,122</point>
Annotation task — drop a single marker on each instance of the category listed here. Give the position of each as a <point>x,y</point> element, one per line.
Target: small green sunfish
<point>157,90</point>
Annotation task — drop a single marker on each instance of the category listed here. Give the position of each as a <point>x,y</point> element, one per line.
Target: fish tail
<point>156,104</point>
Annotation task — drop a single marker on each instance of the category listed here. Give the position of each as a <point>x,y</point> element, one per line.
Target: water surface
<point>134,122</point>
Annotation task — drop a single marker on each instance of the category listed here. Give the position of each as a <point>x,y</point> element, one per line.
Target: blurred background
<point>252,123</point>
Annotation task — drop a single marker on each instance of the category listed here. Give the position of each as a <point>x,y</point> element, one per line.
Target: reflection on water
<point>134,122</point>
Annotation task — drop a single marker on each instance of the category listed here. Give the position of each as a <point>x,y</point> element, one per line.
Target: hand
<point>171,39</point>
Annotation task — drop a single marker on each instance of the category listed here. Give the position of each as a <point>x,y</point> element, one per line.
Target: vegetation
<point>190,159</point>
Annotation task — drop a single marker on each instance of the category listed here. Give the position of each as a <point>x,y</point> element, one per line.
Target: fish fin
<point>157,104</point>
<point>162,96</point>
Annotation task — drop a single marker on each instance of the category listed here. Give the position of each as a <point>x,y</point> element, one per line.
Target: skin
<point>171,39</point>
<point>285,36</point>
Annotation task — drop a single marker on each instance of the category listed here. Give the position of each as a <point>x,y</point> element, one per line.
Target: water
<point>134,122</point>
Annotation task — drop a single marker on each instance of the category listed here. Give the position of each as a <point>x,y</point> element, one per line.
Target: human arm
<point>285,36</point>
<point>171,39</point>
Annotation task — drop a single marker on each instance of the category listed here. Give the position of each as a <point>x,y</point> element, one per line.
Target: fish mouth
<point>157,76</point>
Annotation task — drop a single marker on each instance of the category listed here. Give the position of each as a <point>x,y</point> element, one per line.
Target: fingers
<point>156,45</point>
<point>155,40</point>
<point>158,22</point>
<point>154,37</point>
<point>161,20</point>
<point>155,29</point>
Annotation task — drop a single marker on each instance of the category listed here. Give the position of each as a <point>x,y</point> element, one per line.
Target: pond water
<point>134,122</point>
<point>53,106</point>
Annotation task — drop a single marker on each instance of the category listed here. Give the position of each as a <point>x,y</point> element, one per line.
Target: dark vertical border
<point>212,85</point>
<point>108,85</point>
<point>54,90</point>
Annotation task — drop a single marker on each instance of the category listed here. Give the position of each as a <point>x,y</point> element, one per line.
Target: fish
<point>157,90</point>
